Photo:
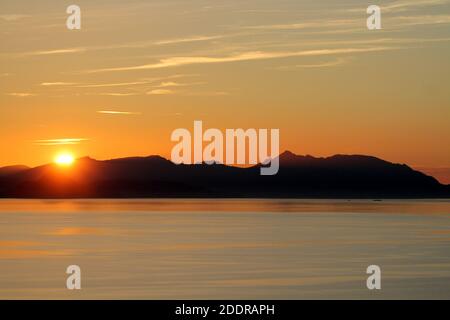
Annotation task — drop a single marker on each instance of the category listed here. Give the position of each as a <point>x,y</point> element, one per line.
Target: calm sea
<point>224,249</point>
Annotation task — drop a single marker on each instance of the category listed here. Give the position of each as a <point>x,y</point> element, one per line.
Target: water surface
<point>224,249</point>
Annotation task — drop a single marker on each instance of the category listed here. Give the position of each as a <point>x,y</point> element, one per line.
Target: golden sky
<point>137,70</point>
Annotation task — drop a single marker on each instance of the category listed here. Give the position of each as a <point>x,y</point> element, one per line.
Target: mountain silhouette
<point>339,176</point>
<point>11,170</point>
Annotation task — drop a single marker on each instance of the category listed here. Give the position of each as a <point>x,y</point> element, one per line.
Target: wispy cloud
<point>356,24</point>
<point>121,84</point>
<point>206,93</point>
<point>134,87</point>
<point>411,4</point>
<point>160,92</point>
<point>403,5</point>
<point>305,25</point>
<point>169,84</point>
<point>21,94</point>
<point>188,39</point>
<point>115,94</point>
<point>13,17</point>
<point>374,41</point>
<point>405,21</point>
<point>118,112</point>
<point>52,84</point>
<point>247,56</point>
<point>133,45</point>
<point>142,81</point>
<point>337,62</point>
<point>51,52</point>
<point>57,142</point>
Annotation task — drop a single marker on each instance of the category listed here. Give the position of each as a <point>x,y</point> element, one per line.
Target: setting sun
<point>64,159</point>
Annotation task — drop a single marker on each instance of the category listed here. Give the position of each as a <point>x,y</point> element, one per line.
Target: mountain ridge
<point>299,176</point>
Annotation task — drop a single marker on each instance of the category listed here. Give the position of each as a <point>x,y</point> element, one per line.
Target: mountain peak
<point>288,155</point>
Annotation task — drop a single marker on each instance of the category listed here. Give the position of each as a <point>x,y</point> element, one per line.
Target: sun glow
<point>64,159</point>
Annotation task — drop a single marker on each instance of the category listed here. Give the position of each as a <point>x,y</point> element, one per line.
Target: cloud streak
<point>160,92</point>
<point>188,39</point>
<point>114,94</point>
<point>405,5</point>
<point>247,56</point>
<point>306,25</point>
<point>112,112</point>
<point>21,94</point>
<point>122,84</point>
<point>408,21</point>
<point>59,142</point>
<point>337,62</point>
<point>53,84</point>
<point>13,17</point>
<point>133,45</point>
<point>52,52</point>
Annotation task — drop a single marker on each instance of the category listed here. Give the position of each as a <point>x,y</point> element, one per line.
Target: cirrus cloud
<point>246,56</point>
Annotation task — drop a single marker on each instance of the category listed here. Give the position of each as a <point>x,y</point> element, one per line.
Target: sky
<point>137,70</point>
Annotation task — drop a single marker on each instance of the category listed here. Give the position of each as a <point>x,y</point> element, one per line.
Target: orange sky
<point>309,68</point>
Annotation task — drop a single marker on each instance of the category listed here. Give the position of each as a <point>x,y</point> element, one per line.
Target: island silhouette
<point>338,176</point>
